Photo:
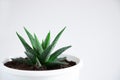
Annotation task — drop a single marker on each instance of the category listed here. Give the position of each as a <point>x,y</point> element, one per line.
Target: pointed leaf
<point>43,44</point>
<point>57,53</point>
<point>38,45</point>
<point>31,38</point>
<point>47,40</point>
<point>46,53</point>
<point>25,44</point>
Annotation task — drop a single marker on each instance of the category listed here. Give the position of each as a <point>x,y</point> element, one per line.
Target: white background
<point>93,30</point>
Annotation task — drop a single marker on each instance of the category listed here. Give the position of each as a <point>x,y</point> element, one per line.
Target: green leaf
<point>62,58</point>
<point>38,45</point>
<point>31,57</point>
<point>31,38</point>
<point>43,44</point>
<point>46,53</point>
<point>57,53</point>
<point>29,50</point>
<point>47,41</point>
<point>25,44</point>
<point>55,63</point>
<point>38,62</point>
<point>23,60</point>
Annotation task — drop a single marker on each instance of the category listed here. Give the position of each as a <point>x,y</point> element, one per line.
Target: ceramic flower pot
<point>70,73</point>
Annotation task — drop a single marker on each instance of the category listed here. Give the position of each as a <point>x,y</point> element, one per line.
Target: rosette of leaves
<point>40,53</point>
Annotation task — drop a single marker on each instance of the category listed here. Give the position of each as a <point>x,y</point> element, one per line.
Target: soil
<point>24,66</point>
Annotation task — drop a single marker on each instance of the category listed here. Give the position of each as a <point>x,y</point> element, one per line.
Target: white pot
<point>70,73</point>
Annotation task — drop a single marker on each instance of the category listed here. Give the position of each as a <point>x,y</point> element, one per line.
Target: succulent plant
<point>40,54</point>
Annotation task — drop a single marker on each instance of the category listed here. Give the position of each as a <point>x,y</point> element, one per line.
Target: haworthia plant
<point>40,53</point>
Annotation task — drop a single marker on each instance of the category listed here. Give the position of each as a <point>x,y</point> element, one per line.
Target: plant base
<point>24,66</point>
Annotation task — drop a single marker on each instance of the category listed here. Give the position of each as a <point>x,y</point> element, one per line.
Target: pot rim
<point>44,72</point>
